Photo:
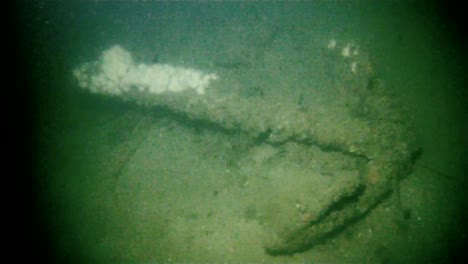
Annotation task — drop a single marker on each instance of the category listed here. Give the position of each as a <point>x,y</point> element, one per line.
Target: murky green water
<point>116,183</point>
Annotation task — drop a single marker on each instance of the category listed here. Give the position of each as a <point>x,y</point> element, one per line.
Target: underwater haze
<point>119,180</point>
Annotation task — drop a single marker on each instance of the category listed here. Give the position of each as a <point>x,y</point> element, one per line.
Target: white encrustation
<point>116,72</point>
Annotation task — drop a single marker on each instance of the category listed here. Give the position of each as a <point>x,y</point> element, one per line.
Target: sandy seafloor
<point>176,198</point>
